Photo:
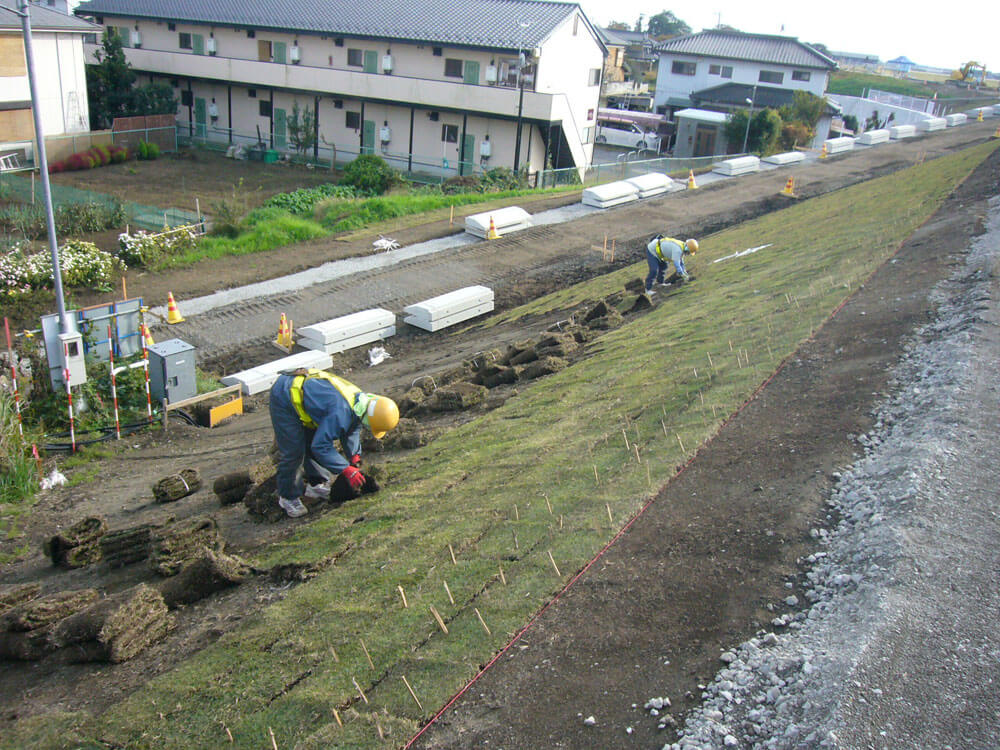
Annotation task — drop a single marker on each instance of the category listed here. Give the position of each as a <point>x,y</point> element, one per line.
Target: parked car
<point>618,131</point>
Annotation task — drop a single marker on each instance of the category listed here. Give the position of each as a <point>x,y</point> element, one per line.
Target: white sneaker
<point>318,491</point>
<point>294,508</point>
<point>650,293</point>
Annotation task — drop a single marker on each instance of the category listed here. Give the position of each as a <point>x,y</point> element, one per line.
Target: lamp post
<point>520,97</point>
<point>750,101</point>
<point>43,166</point>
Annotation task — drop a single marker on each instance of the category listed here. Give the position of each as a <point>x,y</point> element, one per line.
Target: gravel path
<point>899,645</point>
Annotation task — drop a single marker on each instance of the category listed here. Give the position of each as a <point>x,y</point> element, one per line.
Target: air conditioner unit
<point>210,45</point>
<point>136,37</point>
<point>294,55</point>
<point>387,63</point>
<point>491,73</point>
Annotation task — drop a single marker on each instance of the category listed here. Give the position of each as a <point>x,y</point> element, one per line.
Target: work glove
<point>356,460</point>
<point>354,478</point>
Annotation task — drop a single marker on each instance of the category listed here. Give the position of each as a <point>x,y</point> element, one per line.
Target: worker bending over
<point>310,409</point>
<point>662,249</point>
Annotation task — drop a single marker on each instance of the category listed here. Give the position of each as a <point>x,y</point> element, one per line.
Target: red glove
<point>356,460</point>
<point>354,478</point>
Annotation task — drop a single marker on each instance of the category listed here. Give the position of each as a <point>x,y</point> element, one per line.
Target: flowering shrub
<point>81,264</point>
<point>96,156</point>
<point>144,249</point>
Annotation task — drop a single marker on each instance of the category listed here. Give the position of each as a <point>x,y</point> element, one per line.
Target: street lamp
<point>520,98</point>
<point>750,101</point>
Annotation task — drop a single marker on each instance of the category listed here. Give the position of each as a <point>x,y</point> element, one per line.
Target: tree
<point>665,25</point>
<point>153,99</point>
<point>763,134</point>
<point>806,108</point>
<point>109,82</point>
<point>619,26</point>
<point>302,129</point>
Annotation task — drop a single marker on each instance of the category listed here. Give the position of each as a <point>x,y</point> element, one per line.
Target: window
<point>800,75</point>
<point>727,71</point>
<point>352,120</point>
<point>251,34</point>
<point>453,68</point>
<point>449,133</point>
<point>264,51</point>
<point>171,27</point>
<point>594,79</point>
<point>264,108</point>
<point>338,42</point>
<point>681,68</point>
<point>590,116</point>
<point>252,93</point>
<point>187,98</point>
<point>90,38</point>
<point>338,103</point>
<point>437,51</point>
<point>355,58</point>
<point>184,40</point>
<point>771,76</point>
<point>588,134</point>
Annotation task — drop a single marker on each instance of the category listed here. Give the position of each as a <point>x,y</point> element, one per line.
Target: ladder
<point>9,162</point>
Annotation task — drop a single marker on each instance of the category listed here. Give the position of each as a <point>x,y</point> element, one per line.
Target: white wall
<point>862,109</point>
<point>60,82</point>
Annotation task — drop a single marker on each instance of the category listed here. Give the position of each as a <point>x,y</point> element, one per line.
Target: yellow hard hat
<point>692,246</point>
<point>381,415</point>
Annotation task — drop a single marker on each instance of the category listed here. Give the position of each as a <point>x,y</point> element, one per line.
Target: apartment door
<point>198,44</point>
<point>280,130</point>
<point>704,140</point>
<point>368,136</point>
<point>199,118</point>
<point>471,72</point>
<point>371,61</point>
<point>466,165</point>
<point>279,50</point>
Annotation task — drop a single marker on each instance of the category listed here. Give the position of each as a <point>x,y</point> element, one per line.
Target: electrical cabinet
<point>171,371</point>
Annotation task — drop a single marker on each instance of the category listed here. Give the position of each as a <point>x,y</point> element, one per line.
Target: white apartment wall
<point>60,82</point>
<point>673,84</point>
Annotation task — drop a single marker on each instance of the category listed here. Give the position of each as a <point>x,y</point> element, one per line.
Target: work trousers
<point>294,440</point>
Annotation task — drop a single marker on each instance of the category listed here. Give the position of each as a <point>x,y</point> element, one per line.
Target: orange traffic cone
<point>997,134</point>
<point>173,314</point>
<point>147,337</point>
<point>692,185</point>
<point>789,189</point>
<point>980,117</point>
<point>824,153</point>
<point>492,233</point>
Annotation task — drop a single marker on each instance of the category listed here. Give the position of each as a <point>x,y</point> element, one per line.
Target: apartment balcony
<point>397,88</point>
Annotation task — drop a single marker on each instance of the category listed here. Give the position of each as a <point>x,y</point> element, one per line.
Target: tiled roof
<point>738,45</point>
<point>45,19</point>
<point>736,95</point>
<point>509,24</point>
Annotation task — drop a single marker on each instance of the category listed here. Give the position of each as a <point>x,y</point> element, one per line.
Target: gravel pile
<point>898,644</point>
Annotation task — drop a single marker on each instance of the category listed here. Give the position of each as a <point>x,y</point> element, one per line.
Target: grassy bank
<point>663,383</point>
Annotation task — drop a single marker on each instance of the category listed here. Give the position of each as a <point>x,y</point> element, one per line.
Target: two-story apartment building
<point>691,66</point>
<point>441,86</point>
<point>57,42</point>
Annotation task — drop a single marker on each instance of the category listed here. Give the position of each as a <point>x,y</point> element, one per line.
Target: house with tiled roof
<point>57,43</point>
<point>440,86</point>
<point>777,66</point>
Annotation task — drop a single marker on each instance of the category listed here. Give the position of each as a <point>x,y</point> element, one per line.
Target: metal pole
<point>746,135</point>
<point>43,167</point>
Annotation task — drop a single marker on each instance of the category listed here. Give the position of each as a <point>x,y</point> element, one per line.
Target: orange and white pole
<point>114,384</point>
<point>69,398</point>
<point>13,379</point>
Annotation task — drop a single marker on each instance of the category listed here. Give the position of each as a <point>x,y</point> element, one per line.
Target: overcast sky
<point>929,34</point>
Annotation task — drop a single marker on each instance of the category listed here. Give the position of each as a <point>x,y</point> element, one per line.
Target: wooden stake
<point>596,479</point>
<point>548,505</point>
<point>664,426</point>
<point>713,411</point>
<point>228,733</point>
<point>440,622</point>
<point>402,595</point>
<point>503,578</point>
<point>453,560</point>
<point>415,698</point>
<point>274,742</point>
<point>515,538</point>
<point>649,479</point>
<point>702,397</point>
<point>730,344</point>
<point>360,691</point>
<point>637,459</point>
<point>451,217</point>
<point>378,728</point>
<point>560,520</point>
<point>710,362</point>
<point>610,517</point>
<point>553,561</point>
<point>517,516</point>
<point>482,621</point>
<point>627,447</point>
<point>695,370</point>
<point>448,592</point>
<point>369,656</point>
<point>682,444</point>
<point>336,715</point>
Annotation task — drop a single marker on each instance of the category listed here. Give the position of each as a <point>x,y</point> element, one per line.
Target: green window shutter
<point>123,34</point>
<point>371,61</point>
<point>471,72</point>
<point>280,128</point>
<point>198,44</point>
<point>368,136</point>
<point>279,50</point>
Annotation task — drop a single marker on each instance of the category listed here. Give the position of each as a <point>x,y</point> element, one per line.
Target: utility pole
<point>520,97</point>
<point>42,163</point>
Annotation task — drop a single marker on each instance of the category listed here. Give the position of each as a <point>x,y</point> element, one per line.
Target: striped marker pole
<point>69,398</point>
<point>145,370</point>
<point>114,385</point>
<point>13,379</point>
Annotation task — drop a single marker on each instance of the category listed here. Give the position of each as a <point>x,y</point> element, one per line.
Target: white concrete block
<point>838,145</point>
<point>650,184</point>
<point>348,326</point>
<point>261,378</point>
<point>789,157</point>
<point>959,118</point>
<point>931,124</point>
<point>739,165</point>
<point>902,131</point>
<point>973,114</point>
<point>445,305</point>
<point>872,137</point>
<point>437,324</point>
<point>996,110</point>
<point>610,194</point>
<point>505,220</point>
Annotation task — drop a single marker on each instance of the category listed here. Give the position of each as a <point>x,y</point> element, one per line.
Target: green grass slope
<point>514,495</point>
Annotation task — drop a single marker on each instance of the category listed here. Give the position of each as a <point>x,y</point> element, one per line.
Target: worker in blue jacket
<point>662,250</point>
<point>310,409</point>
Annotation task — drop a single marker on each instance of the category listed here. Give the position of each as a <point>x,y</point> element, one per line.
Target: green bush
<point>303,200</point>
<point>369,174</point>
<point>150,250</point>
<point>148,151</point>
<point>18,477</point>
